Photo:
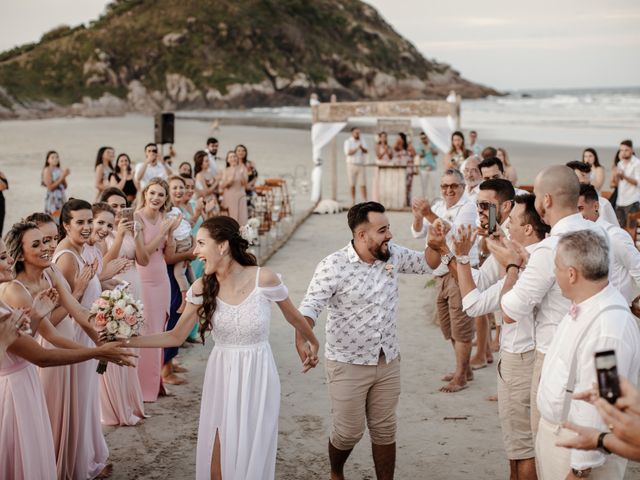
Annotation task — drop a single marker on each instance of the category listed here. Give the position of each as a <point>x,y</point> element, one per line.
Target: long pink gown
<point>91,451</point>
<point>234,198</point>
<point>26,445</point>
<point>120,391</point>
<point>156,298</point>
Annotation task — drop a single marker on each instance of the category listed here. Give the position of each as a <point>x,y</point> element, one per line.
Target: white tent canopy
<point>437,119</point>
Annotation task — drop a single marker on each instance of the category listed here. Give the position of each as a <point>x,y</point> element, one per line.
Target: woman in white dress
<point>238,432</point>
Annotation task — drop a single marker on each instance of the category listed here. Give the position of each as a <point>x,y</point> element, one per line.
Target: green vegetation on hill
<point>293,46</point>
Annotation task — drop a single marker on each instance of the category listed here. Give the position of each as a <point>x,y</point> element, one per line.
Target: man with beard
<point>628,174</point>
<point>212,155</point>
<point>359,286</point>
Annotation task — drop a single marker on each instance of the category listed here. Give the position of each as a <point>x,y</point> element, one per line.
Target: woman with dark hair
<point>160,247</point>
<point>252,173</point>
<point>103,168</point>
<point>590,156</point>
<point>403,154</point>
<point>206,183</point>
<point>234,184</point>
<point>613,199</point>
<point>185,169</point>
<point>122,178</point>
<point>55,181</point>
<point>241,392</point>
<point>457,153</point>
<point>26,439</point>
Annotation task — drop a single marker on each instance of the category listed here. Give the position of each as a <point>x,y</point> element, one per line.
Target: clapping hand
<point>420,207</point>
<point>13,323</point>
<point>507,252</point>
<point>463,242</point>
<point>83,278</point>
<point>114,267</point>
<point>436,239</point>
<point>45,302</point>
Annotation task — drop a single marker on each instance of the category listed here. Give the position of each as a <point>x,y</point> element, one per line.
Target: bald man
<point>532,289</point>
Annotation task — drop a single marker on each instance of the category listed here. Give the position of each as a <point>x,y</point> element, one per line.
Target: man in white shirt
<point>492,167</point>
<point>355,150</point>
<point>212,155</point>
<point>534,289</point>
<point>152,167</point>
<point>625,274</point>
<point>455,210</point>
<point>583,172</point>
<point>359,286</point>
<point>517,343</point>
<point>598,320</point>
<point>628,173</point>
<point>472,177</point>
<point>474,145</point>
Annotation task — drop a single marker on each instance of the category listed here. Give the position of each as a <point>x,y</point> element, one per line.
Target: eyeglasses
<point>153,150</point>
<point>452,186</point>
<point>482,206</point>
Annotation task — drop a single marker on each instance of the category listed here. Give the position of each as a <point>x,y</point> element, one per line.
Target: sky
<point>506,44</point>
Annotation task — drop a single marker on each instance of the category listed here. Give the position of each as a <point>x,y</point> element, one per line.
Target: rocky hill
<point>148,55</point>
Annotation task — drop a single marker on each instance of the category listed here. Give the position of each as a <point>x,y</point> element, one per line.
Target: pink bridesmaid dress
<point>91,451</point>
<point>156,297</point>
<point>26,445</point>
<point>120,391</point>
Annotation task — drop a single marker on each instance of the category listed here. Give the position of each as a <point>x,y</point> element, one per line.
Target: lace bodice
<point>248,322</point>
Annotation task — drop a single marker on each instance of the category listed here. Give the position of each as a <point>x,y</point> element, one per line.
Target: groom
<point>359,286</point>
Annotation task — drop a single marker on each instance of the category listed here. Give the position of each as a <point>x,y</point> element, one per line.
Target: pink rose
<point>118,312</point>
<point>102,303</point>
<point>101,319</point>
<point>131,320</point>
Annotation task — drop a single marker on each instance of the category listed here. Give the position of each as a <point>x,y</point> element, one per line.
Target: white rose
<point>124,330</point>
<point>94,308</point>
<point>116,294</point>
<point>106,294</point>
<point>112,326</point>
<point>129,310</point>
<point>121,304</point>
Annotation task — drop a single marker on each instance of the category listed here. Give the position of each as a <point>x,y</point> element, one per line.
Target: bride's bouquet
<point>118,316</point>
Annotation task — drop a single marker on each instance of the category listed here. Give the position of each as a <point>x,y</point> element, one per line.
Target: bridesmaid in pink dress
<point>234,183</point>
<point>92,452</point>
<point>157,230</point>
<point>120,391</point>
<point>24,419</point>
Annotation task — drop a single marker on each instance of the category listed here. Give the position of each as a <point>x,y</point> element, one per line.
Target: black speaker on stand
<point>164,128</point>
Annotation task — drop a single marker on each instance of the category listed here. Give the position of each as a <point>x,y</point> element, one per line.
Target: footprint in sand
<point>309,423</point>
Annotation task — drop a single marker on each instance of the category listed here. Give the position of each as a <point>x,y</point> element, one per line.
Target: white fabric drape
<point>439,130</point>
<point>321,134</point>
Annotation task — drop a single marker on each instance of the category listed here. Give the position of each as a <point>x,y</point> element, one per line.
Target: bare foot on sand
<point>491,398</point>
<point>106,471</point>
<point>477,364</point>
<point>454,386</point>
<point>173,379</point>
<point>489,357</point>
<point>449,376</point>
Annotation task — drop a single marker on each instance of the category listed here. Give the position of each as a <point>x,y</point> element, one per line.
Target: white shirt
<point>362,301</point>
<point>607,213</point>
<point>612,330</point>
<point>472,194</point>
<point>536,287</point>
<point>351,144</point>
<point>152,171</point>
<point>213,163</point>
<point>462,213</point>
<point>628,193</point>
<point>518,337</point>
<point>626,262</point>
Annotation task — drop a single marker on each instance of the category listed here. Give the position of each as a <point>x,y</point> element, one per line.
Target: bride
<point>238,431</point>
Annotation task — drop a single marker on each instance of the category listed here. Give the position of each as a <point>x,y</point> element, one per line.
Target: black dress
<point>129,189</point>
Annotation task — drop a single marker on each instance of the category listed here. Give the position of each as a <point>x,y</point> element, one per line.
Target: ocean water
<point>585,117</point>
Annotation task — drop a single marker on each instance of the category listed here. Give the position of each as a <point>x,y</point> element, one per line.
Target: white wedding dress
<point>241,391</point>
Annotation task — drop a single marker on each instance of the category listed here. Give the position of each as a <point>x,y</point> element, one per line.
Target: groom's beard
<point>381,254</point>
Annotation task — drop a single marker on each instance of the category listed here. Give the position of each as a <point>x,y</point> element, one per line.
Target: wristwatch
<point>463,259</point>
<point>581,473</point>
<point>601,448</point>
<point>447,257</point>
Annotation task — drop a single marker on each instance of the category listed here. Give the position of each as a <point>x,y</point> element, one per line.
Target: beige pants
<point>354,172</point>
<point>554,463</point>
<point>515,371</point>
<point>535,382</point>
<point>359,393</point>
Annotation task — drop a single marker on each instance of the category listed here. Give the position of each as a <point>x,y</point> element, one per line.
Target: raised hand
<point>114,267</point>
<point>123,228</point>
<point>464,240</point>
<point>505,252</point>
<point>45,302</point>
<point>420,207</point>
<point>13,323</point>
<point>114,352</point>
<point>82,280</point>
<point>436,239</point>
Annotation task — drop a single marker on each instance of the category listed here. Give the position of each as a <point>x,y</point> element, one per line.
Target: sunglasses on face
<point>452,186</point>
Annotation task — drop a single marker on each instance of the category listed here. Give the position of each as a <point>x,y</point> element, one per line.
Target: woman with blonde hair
<point>509,170</point>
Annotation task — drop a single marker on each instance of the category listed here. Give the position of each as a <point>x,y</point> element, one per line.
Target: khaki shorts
<point>454,323</point>
<point>535,382</point>
<point>354,172</point>
<point>359,393</point>
<point>515,371</point>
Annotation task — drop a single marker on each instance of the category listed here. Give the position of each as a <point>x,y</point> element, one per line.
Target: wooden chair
<point>264,206</point>
<point>633,231</point>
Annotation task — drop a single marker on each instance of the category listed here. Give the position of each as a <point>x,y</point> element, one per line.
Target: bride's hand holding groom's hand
<point>307,352</point>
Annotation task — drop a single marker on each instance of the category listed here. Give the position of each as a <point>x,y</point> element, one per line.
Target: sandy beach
<point>439,436</point>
